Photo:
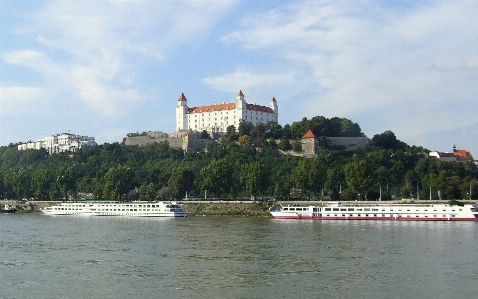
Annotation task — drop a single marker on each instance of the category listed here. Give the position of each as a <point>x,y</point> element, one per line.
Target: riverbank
<point>195,208</point>
<point>229,208</point>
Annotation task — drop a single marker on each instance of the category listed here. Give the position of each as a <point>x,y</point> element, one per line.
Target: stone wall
<point>144,140</point>
<point>348,143</point>
<point>309,146</point>
<point>185,142</point>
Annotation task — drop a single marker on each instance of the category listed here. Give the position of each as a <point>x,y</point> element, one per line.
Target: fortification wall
<point>144,140</point>
<point>349,143</point>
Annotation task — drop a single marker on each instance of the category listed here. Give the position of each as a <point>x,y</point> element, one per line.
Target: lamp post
<point>430,190</point>
<point>470,189</point>
<point>380,186</point>
<point>418,192</point>
<point>340,190</point>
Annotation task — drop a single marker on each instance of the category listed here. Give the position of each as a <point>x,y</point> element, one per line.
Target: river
<point>219,257</point>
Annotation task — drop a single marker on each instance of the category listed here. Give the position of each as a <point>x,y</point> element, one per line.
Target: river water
<point>219,257</point>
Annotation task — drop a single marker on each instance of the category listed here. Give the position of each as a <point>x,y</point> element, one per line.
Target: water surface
<point>220,257</point>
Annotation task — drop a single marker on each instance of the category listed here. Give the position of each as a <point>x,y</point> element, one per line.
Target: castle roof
<point>210,108</point>
<point>182,97</point>
<point>273,99</point>
<point>240,93</point>
<point>228,106</point>
<point>309,134</point>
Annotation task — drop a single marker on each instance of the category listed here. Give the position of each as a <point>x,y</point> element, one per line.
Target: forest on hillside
<point>248,162</point>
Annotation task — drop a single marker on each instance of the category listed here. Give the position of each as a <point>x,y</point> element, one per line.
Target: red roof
<point>240,93</point>
<point>218,107</point>
<point>462,153</point>
<point>273,99</point>
<point>182,97</point>
<point>228,106</point>
<point>309,134</point>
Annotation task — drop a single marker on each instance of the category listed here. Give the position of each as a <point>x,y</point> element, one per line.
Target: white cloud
<point>358,59</point>
<point>241,79</point>
<point>20,99</point>
<point>91,50</point>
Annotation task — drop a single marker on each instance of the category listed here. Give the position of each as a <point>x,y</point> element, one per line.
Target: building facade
<point>217,117</point>
<point>64,142</point>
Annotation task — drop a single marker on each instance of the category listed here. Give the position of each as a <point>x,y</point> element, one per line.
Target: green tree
<point>260,130</point>
<point>147,192</point>
<point>18,180</point>
<point>217,177</point>
<point>65,180</point>
<point>253,177</point>
<point>231,133</point>
<point>309,175</point>
<point>42,182</point>
<point>246,128</point>
<point>204,135</point>
<point>296,146</point>
<point>359,176</point>
<point>181,181</point>
<point>284,144</point>
<point>118,181</point>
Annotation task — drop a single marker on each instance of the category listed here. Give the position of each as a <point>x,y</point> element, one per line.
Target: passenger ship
<point>343,211</point>
<point>128,209</point>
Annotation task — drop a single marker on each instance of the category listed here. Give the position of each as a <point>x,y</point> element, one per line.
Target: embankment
<point>194,208</point>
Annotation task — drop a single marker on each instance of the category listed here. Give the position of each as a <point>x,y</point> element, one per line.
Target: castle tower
<point>181,114</point>
<point>274,106</point>
<point>240,103</point>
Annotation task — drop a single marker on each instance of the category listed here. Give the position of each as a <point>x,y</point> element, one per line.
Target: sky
<point>109,68</point>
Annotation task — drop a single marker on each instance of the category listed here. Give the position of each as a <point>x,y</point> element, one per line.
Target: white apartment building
<point>218,117</point>
<point>64,142</point>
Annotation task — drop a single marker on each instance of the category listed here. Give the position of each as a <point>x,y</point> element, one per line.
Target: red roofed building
<point>462,155</point>
<point>309,143</point>
<point>217,117</point>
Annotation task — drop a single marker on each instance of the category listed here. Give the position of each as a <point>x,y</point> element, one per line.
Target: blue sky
<point>108,68</point>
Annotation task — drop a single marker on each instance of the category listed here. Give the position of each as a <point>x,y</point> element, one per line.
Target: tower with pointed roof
<point>274,106</point>
<point>181,113</point>
<point>240,103</point>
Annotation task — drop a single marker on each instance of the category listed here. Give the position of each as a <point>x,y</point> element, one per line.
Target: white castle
<point>64,142</point>
<point>216,118</point>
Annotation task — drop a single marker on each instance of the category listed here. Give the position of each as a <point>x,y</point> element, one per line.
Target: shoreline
<point>233,208</point>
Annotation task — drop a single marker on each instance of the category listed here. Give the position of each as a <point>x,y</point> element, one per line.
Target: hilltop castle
<point>217,117</point>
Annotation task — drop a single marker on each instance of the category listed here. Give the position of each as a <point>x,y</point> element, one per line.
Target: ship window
<point>358,215</point>
<point>343,209</point>
<point>359,210</point>
<point>335,209</point>
<point>366,209</point>
<point>343,215</point>
<point>350,209</point>
<point>327,209</point>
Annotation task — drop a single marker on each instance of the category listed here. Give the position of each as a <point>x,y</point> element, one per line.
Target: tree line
<point>247,162</point>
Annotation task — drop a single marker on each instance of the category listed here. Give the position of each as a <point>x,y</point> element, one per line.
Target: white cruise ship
<point>382,211</point>
<point>111,208</point>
